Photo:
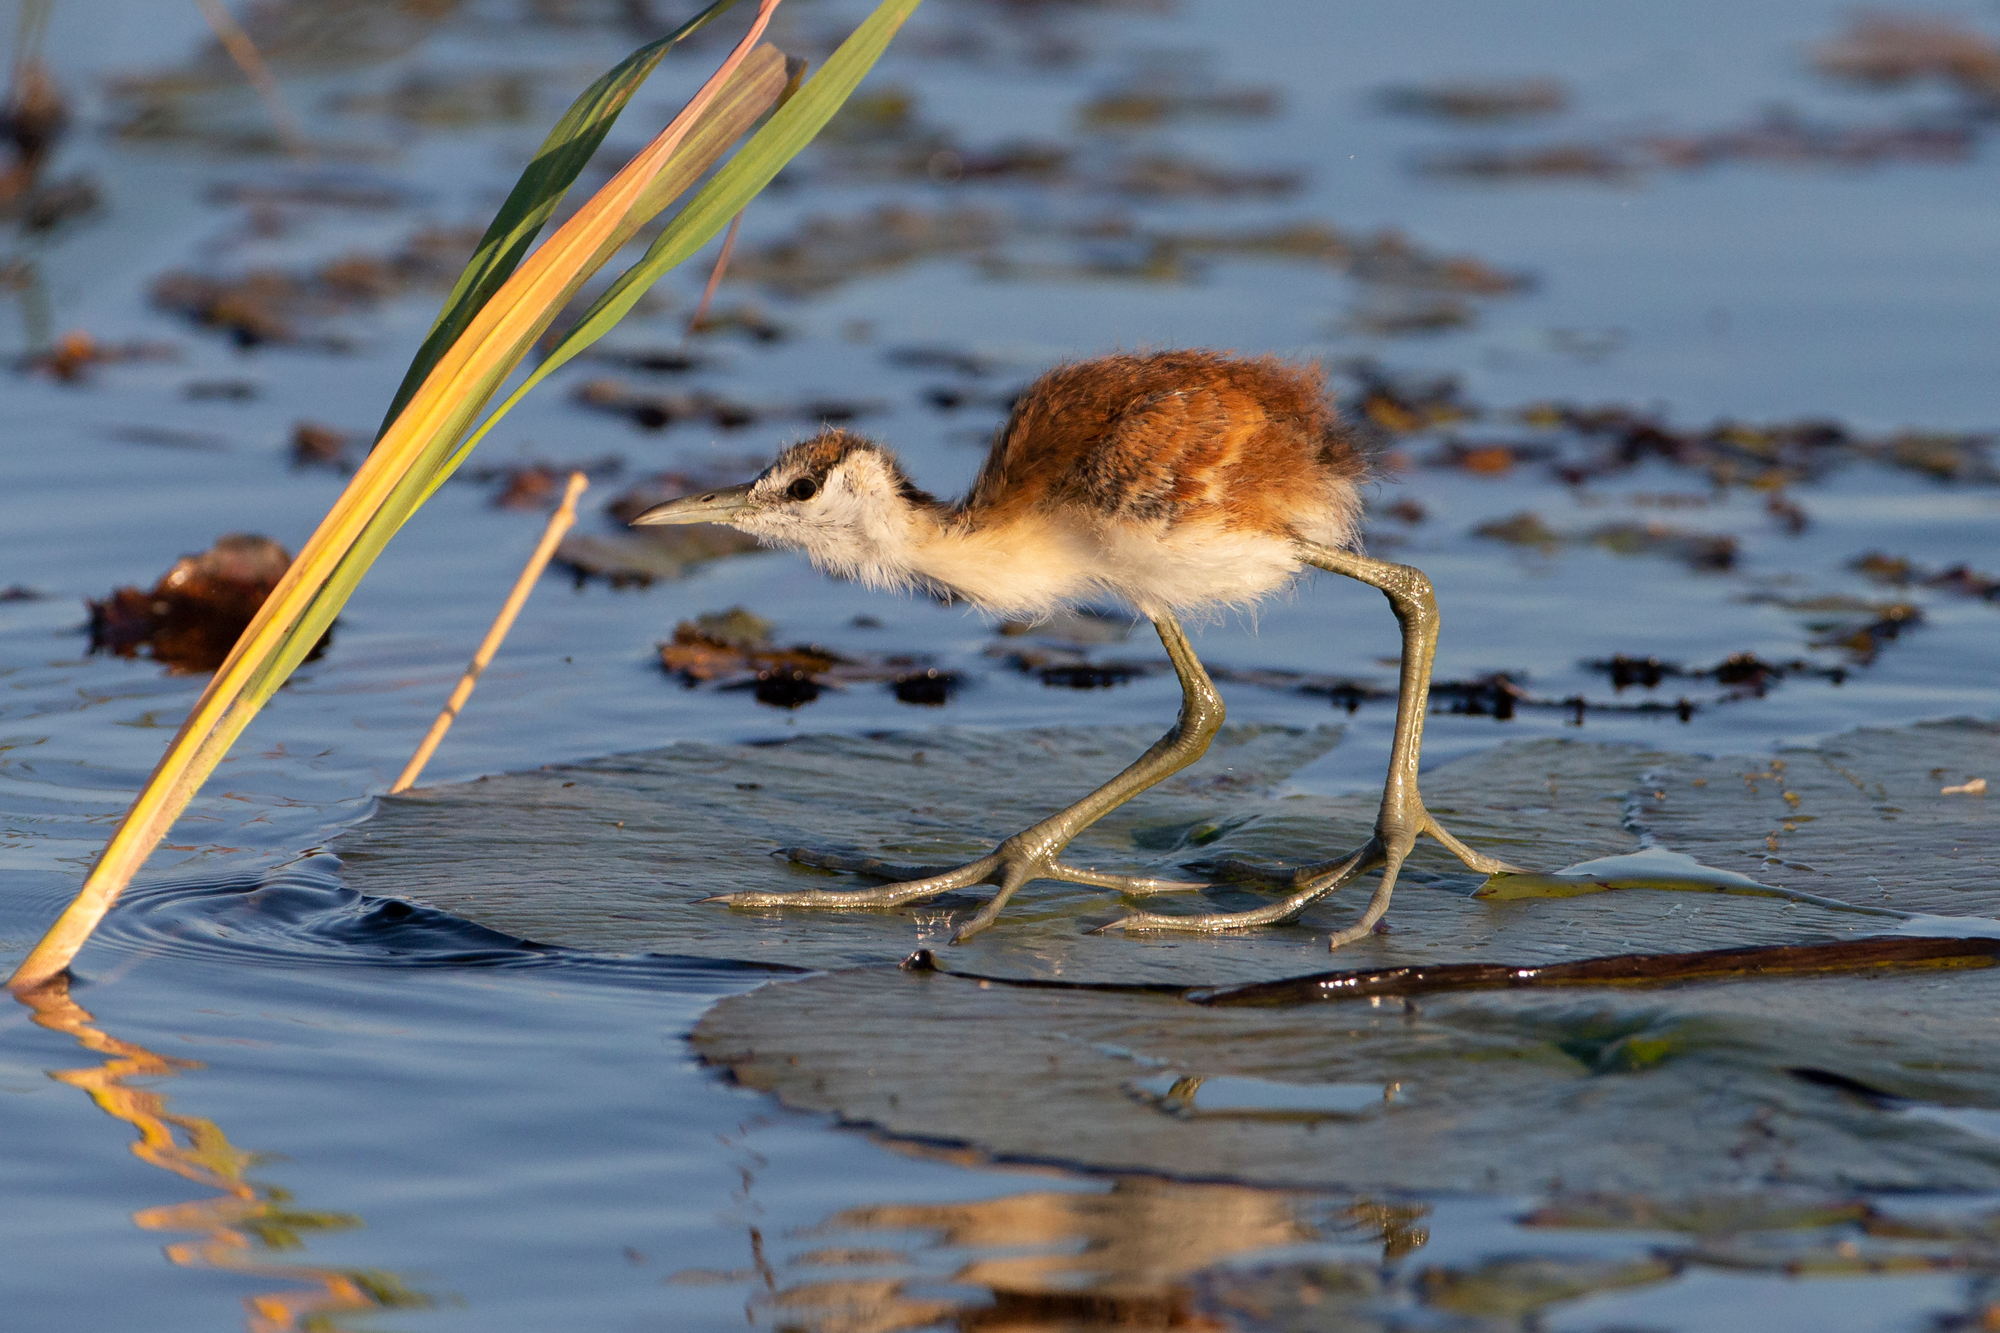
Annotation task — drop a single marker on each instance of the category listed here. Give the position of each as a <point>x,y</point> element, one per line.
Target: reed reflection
<point>1131,1257</point>
<point>247,1220</point>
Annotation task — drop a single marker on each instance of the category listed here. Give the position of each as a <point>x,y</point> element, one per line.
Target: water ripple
<point>301,914</point>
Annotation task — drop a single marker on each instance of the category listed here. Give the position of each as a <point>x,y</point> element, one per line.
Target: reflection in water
<point>1127,1257</point>
<point>242,1223</point>
<point>1147,1254</point>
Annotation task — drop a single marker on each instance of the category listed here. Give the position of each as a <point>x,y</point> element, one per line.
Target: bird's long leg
<point>1031,854</point>
<point>1402,817</point>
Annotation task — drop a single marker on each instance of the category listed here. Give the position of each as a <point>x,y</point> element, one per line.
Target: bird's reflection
<point>1129,1257</point>
<point>246,1222</point>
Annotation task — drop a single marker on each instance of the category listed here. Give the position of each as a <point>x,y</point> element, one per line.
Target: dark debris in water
<point>1402,314</point>
<point>1885,50</point>
<point>929,688</point>
<point>1852,625</point>
<point>1552,161</point>
<point>1613,438</point>
<point>747,320</point>
<point>34,118</point>
<point>1878,50</point>
<point>658,411</point>
<point>646,556</point>
<point>650,360</point>
<point>661,487</point>
<point>193,616</point>
<point>1779,137</point>
<point>1156,98</point>
<point>271,305</point>
<point>1579,444</point>
<point>314,190</point>
<point>1501,694</point>
<point>1901,572</point>
<point>1703,552</point>
<point>1486,458</point>
<point>825,252</point>
<point>1058,652</point>
<point>957,360</point>
<point>879,136</point>
<point>536,483</point>
<point>198,101</point>
<point>1742,675</point>
<point>734,650</point>
<point>1080,675</point>
<point>1498,694</point>
<point>76,354</point>
<point>1478,100</point>
<point>639,557</point>
<point>316,444</point>
<point>448,98</point>
<point>1386,403</point>
<point>1078,628</point>
<point>51,204</point>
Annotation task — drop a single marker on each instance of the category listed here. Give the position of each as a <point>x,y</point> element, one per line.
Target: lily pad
<point>1826,1085</point>
<point>1659,1093</point>
<point>614,854</point>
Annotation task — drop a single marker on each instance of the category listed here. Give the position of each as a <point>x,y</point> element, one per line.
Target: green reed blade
<point>788,131</point>
<point>554,168</point>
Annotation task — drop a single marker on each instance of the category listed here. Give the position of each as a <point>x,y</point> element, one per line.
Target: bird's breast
<point>1037,564</point>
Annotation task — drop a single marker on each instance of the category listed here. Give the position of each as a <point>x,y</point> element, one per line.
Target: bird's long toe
<point>1201,923</point>
<point>1133,885</point>
<point>1484,864</point>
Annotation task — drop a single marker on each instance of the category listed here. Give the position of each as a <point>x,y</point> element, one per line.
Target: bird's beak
<point>711,507</point>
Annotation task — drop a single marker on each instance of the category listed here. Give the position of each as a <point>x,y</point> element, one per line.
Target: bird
<point>1175,482</point>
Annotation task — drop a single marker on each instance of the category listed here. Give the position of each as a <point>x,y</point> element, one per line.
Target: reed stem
<point>559,523</point>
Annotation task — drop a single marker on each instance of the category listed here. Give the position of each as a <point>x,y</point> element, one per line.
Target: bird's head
<point>840,498</point>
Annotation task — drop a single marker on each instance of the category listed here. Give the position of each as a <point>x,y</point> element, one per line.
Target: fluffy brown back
<point>1172,438</point>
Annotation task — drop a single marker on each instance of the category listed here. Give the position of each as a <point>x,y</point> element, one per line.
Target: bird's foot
<point>1334,875</point>
<point>1310,883</point>
<point>1484,864</point>
<point>1317,872</point>
<point>1009,866</point>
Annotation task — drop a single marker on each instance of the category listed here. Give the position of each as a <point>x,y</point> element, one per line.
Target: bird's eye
<point>805,488</point>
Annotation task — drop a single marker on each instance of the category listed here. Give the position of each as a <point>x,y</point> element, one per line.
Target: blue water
<point>520,1135</point>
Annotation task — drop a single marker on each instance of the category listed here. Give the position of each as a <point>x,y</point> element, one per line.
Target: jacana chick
<point>1173,482</point>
